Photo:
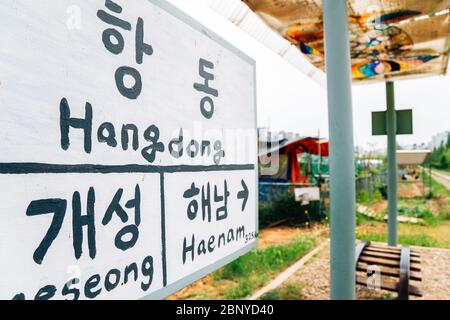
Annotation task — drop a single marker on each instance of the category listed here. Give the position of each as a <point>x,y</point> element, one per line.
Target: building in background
<point>438,139</point>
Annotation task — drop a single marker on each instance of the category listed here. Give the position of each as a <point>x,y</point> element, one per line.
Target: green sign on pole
<point>404,122</point>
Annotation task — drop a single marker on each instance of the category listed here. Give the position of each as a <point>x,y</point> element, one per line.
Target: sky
<point>290,101</point>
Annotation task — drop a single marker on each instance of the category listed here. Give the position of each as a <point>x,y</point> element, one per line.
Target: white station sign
<point>128,150</point>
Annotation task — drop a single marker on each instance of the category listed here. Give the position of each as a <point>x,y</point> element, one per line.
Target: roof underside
<point>390,39</point>
<point>415,157</point>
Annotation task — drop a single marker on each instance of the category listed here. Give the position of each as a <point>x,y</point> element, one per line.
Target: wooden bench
<point>399,268</point>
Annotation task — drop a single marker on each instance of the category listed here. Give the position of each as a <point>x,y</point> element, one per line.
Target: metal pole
<point>342,164</point>
<point>319,171</point>
<point>431,182</point>
<point>391,126</point>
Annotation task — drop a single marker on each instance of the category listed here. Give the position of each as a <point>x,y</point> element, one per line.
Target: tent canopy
<point>301,145</point>
<point>389,39</point>
<point>412,157</point>
<point>289,169</point>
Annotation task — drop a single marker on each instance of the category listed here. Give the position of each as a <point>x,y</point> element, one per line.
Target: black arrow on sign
<point>243,195</point>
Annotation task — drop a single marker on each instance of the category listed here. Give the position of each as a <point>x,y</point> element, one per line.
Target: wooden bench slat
<point>371,245</point>
<point>388,263</point>
<point>362,272</point>
<point>389,285</point>
<point>384,246</point>
<point>415,256</point>
<point>387,271</point>
<point>389,249</point>
<point>386,255</point>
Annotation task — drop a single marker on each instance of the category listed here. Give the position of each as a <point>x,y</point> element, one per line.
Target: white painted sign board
<point>128,150</point>
<point>305,195</point>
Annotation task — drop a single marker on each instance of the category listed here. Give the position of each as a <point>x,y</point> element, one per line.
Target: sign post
<point>391,125</point>
<point>129,150</point>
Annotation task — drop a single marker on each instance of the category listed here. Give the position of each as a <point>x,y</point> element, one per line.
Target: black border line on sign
<point>163,229</point>
<point>17,168</point>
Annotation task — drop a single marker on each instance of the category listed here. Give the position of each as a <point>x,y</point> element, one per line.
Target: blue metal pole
<point>342,164</point>
<point>391,127</point>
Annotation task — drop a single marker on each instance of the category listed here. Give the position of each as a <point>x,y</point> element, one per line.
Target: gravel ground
<point>435,272</point>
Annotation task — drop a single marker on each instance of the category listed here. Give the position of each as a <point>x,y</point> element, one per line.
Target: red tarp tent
<point>292,149</point>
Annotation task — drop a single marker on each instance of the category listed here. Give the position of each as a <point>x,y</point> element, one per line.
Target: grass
<point>438,190</point>
<point>256,268</point>
<point>363,197</point>
<point>421,240</point>
<point>290,291</point>
<point>362,219</point>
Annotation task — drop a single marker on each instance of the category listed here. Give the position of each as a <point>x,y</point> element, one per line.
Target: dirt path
<point>442,177</point>
<point>314,277</point>
<point>411,189</point>
<point>284,234</point>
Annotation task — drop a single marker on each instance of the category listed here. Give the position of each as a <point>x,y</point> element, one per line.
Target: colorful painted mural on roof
<point>389,39</point>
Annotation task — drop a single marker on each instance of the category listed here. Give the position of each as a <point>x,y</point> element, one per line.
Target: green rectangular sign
<point>379,123</point>
<point>404,122</point>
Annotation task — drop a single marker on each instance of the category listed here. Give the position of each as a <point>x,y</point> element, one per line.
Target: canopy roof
<point>390,39</point>
<point>301,145</point>
<point>412,157</point>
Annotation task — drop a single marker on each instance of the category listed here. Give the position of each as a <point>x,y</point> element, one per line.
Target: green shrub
<point>445,215</point>
<point>417,212</point>
<point>443,162</point>
<point>266,214</point>
<point>245,288</point>
<point>283,206</point>
<point>363,197</point>
<point>377,196</point>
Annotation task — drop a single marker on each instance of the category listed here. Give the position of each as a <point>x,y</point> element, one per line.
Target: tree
<point>441,148</point>
<point>443,163</point>
<point>432,157</point>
